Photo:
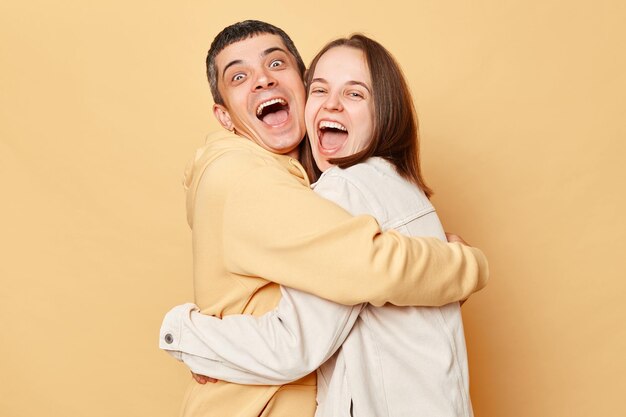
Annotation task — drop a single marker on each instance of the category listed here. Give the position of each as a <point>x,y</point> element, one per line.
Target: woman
<point>395,361</point>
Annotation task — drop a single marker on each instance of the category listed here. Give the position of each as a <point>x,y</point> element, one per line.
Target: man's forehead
<point>256,46</point>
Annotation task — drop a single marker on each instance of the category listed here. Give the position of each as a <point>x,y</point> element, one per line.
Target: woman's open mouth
<point>332,135</point>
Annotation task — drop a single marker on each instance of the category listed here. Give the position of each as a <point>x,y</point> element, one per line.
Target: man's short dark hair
<point>238,32</point>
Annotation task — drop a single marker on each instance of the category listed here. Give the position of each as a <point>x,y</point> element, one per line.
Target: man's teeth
<point>259,109</point>
<point>332,125</point>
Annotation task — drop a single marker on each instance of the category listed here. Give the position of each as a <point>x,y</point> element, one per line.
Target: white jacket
<point>394,361</point>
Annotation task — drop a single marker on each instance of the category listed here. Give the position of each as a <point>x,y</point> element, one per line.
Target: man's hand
<point>452,238</point>
<point>203,379</point>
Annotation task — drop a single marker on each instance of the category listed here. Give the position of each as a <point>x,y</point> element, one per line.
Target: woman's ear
<point>223,116</point>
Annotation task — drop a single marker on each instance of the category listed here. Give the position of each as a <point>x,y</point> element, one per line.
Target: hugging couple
<point>324,282</point>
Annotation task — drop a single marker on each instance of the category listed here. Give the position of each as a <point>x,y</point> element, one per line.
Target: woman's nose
<point>333,103</point>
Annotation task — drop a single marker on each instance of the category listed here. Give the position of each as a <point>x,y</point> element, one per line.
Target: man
<point>257,224</point>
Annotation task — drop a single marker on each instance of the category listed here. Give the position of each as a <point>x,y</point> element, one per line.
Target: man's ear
<point>222,116</point>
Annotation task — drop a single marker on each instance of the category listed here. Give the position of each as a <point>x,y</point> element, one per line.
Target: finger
<point>452,238</point>
<point>200,379</point>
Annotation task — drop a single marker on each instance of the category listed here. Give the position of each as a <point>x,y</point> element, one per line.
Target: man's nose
<point>264,80</point>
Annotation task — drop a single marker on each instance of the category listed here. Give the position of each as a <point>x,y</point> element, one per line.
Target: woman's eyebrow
<point>362,84</point>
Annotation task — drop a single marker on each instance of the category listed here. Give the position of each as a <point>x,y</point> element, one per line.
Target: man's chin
<point>287,134</point>
<point>281,139</point>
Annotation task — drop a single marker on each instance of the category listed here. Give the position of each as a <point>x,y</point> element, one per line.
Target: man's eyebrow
<point>230,64</point>
<point>272,49</point>
<point>239,61</point>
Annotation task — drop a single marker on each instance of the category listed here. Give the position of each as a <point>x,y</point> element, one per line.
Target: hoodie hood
<point>216,145</point>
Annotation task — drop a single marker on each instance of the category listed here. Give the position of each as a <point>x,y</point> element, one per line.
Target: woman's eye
<point>317,91</point>
<point>355,94</point>
<point>276,63</point>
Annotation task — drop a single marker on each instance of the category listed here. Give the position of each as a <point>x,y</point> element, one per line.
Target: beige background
<point>522,106</point>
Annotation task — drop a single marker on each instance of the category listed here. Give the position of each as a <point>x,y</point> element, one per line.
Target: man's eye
<point>238,77</point>
<point>276,63</point>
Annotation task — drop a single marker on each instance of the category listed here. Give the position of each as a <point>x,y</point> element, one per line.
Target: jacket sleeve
<point>276,228</point>
<point>279,347</point>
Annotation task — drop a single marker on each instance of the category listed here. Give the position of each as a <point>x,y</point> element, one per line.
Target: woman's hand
<point>202,379</point>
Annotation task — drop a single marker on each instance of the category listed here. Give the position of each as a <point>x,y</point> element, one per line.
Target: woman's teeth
<point>332,125</point>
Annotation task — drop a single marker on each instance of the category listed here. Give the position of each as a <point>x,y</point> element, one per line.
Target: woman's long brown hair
<point>396,133</point>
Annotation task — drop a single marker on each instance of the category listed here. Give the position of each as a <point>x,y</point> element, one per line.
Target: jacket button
<point>169,339</point>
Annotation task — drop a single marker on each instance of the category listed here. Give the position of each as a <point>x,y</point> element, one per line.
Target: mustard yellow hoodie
<point>256,224</point>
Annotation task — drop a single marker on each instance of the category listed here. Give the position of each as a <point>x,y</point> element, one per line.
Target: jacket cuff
<point>170,335</point>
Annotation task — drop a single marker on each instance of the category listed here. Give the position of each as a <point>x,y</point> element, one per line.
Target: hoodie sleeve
<point>278,229</point>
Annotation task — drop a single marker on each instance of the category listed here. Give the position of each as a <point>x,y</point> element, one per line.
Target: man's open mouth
<point>332,135</point>
<point>273,112</point>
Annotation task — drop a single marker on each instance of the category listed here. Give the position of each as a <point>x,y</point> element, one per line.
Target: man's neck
<point>295,154</point>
